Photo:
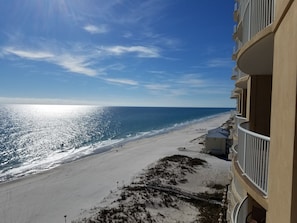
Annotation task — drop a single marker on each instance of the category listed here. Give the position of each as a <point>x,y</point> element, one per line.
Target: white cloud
<point>30,55</point>
<point>192,82</point>
<point>140,13</point>
<point>159,87</point>
<point>220,62</point>
<point>121,81</point>
<point>157,71</point>
<point>96,29</point>
<point>141,51</point>
<point>179,92</point>
<point>73,63</point>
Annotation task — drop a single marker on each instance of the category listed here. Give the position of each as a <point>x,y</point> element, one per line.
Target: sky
<point>117,52</point>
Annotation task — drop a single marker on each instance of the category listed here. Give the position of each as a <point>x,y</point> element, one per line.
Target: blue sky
<point>117,52</point>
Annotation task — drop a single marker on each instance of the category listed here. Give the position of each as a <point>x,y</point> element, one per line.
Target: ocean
<point>35,138</point>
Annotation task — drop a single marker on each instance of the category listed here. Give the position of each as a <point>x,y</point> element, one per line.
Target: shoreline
<point>44,167</point>
<point>80,185</point>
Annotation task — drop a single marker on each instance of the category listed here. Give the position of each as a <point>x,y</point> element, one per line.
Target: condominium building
<point>263,173</point>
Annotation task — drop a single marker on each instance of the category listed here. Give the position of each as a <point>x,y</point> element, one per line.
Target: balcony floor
<point>257,57</point>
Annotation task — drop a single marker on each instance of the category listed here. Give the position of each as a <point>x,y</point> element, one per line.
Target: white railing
<point>234,149</point>
<point>253,156</point>
<point>241,212</point>
<point>235,6</point>
<point>262,15</point>
<point>241,74</point>
<point>237,46</point>
<point>234,29</point>
<point>238,120</point>
<point>232,94</point>
<point>235,74</point>
<point>233,213</point>
<point>255,15</point>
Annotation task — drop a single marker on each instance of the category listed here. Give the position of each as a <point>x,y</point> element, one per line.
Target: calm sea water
<point>34,138</point>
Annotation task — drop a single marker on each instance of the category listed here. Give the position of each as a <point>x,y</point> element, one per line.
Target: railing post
<point>244,151</point>
<point>249,21</point>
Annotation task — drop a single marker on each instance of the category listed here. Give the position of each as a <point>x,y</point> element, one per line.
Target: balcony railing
<point>235,74</point>
<point>236,11</point>
<point>255,15</point>
<point>240,211</point>
<point>238,120</point>
<point>236,48</point>
<point>233,94</point>
<point>241,74</point>
<point>247,211</point>
<point>253,156</point>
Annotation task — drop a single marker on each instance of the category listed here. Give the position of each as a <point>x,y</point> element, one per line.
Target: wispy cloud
<point>121,81</point>
<point>158,87</point>
<point>139,13</point>
<point>161,39</point>
<point>167,90</point>
<point>157,71</point>
<point>75,64</point>
<point>220,62</point>
<point>72,63</point>
<point>192,80</point>
<point>140,51</point>
<point>179,92</point>
<point>28,54</point>
<point>95,29</point>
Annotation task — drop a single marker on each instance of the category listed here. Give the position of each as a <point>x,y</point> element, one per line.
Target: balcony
<point>235,74</point>
<point>236,92</point>
<point>237,31</point>
<point>248,211</point>
<point>242,80</point>
<point>256,54</point>
<point>241,74</point>
<point>236,49</point>
<point>253,157</point>
<point>240,211</point>
<point>236,12</point>
<point>255,15</point>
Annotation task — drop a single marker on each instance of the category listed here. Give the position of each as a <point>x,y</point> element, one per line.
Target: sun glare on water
<point>57,110</point>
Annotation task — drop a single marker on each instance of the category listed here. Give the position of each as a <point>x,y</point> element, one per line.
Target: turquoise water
<point>34,138</point>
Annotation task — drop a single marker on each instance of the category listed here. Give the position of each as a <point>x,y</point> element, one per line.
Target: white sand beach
<point>78,186</point>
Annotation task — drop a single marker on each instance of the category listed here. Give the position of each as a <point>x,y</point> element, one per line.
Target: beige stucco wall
<point>282,169</point>
<point>281,203</point>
